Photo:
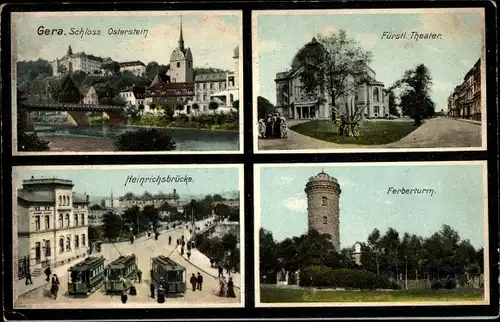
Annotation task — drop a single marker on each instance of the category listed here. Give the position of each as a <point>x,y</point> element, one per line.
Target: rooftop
<point>213,77</point>
<point>132,63</point>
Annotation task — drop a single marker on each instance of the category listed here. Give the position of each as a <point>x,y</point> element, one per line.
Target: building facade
<point>323,194</point>
<point>77,62</point>
<point>89,96</point>
<point>134,96</point>
<point>221,88</point>
<point>138,68</point>
<point>96,215</point>
<point>465,100</point>
<point>294,102</point>
<point>52,223</point>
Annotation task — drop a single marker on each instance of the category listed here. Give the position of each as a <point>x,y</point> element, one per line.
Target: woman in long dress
<point>230,288</point>
<point>277,127</point>
<point>284,129</point>
<point>222,287</point>
<point>269,127</point>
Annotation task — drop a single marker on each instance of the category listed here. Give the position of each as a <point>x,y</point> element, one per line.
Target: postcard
<point>369,80</point>
<point>127,82</point>
<point>131,236</point>
<point>377,234</point>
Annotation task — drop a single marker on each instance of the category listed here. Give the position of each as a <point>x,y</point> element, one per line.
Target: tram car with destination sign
<point>121,274</point>
<point>173,275</point>
<point>86,277</point>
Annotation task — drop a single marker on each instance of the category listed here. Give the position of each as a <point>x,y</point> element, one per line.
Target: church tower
<point>323,194</point>
<point>181,62</point>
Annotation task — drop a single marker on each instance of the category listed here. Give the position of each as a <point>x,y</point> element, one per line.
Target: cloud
<point>367,40</point>
<point>283,180</point>
<point>344,182</point>
<point>440,85</point>
<point>269,46</point>
<point>328,30</point>
<point>212,40</point>
<point>295,204</point>
<point>452,25</point>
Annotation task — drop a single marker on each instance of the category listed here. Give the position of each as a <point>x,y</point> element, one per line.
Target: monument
<point>323,194</point>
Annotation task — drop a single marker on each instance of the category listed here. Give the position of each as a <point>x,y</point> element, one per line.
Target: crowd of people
<point>273,127</point>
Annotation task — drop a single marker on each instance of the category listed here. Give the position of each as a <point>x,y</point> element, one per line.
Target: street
<point>439,132</point>
<point>144,250</point>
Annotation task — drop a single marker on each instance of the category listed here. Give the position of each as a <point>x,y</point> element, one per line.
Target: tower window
<point>324,201</point>
<point>325,220</point>
<point>178,64</point>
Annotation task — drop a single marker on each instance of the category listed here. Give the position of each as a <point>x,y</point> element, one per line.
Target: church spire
<point>181,39</point>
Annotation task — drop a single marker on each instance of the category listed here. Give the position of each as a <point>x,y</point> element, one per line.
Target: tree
<point>151,216</point>
<point>141,108</point>
<point>264,107</point>
<point>112,225</point>
<point>68,93</point>
<point>131,218</point>
<point>415,98</point>
<point>145,140</point>
<point>213,106</point>
<point>112,66</point>
<point>27,141</point>
<point>94,234</point>
<point>268,264</point>
<point>393,110</point>
<point>375,247</point>
<point>222,210</point>
<point>337,66</point>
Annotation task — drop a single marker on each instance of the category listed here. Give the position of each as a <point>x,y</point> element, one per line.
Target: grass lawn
<point>371,132</point>
<point>283,295</point>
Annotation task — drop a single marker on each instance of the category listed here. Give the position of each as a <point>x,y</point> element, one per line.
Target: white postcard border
<point>257,214</point>
<point>256,78</point>
<point>13,55</point>
<point>241,185</point>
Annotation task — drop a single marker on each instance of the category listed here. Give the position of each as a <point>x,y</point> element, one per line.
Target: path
<point>144,249</point>
<point>440,132</point>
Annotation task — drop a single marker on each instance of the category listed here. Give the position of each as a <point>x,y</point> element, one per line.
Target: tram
<point>173,274</point>
<point>121,274</point>
<point>86,277</point>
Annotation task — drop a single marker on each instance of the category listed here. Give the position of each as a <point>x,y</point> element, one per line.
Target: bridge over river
<point>77,113</point>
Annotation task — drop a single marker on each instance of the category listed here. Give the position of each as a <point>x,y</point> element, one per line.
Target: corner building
<point>52,223</point>
<point>323,194</point>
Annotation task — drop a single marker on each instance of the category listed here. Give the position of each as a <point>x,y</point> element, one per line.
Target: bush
<point>436,285</point>
<point>31,142</point>
<point>145,140</point>
<point>449,284</point>
<point>321,276</point>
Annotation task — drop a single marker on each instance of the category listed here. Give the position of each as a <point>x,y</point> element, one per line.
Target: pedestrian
<point>178,242</point>
<point>124,297</point>
<point>133,290</point>
<point>200,281</point>
<point>189,254</point>
<point>222,285</point>
<point>221,271</point>
<point>28,277</point>
<point>48,272</point>
<point>211,262</point>
<point>139,275</point>
<point>169,240</point>
<point>228,270</point>
<point>189,247</point>
<point>55,286</point>
<point>182,251</point>
<point>230,288</point>
<point>262,129</point>
<point>192,244</point>
<point>161,294</point>
<point>193,282</point>
<point>152,289</point>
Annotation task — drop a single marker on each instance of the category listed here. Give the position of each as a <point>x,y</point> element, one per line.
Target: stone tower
<point>323,194</point>
<point>181,62</point>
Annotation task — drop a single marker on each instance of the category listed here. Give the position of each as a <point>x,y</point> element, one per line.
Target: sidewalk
<point>21,288</point>
<point>468,121</point>
<point>202,262</point>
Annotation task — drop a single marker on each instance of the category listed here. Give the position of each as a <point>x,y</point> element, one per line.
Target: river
<point>104,136</point>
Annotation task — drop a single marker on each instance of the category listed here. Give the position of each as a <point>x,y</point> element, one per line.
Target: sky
<point>100,182</point>
<point>279,37</point>
<point>365,204</point>
<point>212,36</point>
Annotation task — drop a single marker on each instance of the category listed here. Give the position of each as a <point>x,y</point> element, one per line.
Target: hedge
<point>321,276</point>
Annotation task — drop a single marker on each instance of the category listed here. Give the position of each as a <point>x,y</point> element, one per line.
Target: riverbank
<point>149,127</point>
<point>79,144</point>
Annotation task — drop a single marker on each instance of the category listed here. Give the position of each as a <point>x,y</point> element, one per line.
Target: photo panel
<point>127,82</point>
<point>369,80</point>
<point>128,236</point>
<point>371,235</point>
